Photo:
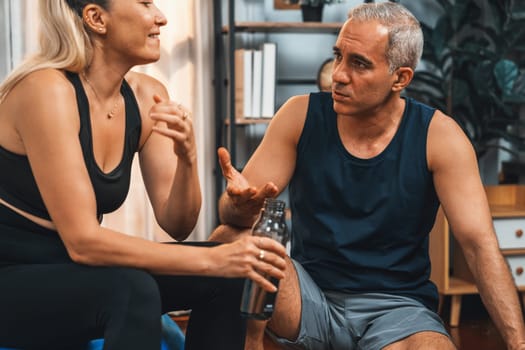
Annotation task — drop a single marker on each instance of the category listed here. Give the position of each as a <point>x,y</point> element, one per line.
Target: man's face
<point>361,81</point>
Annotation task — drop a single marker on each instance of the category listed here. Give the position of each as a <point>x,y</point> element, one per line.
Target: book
<point>243,83</point>
<point>247,81</point>
<point>256,84</point>
<point>269,53</point>
<point>239,84</point>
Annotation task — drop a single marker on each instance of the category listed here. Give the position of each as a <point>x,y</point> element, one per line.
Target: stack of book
<point>255,76</point>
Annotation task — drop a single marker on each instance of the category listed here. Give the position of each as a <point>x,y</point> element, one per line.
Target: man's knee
<point>423,341</point>
<point>227,233</point>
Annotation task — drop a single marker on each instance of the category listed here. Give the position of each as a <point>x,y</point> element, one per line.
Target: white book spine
<point>247,83</point>
<point>257,84</point>
<point>239,84</point>
<point>269,52</point>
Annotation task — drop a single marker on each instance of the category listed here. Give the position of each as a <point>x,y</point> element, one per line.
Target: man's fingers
<point>224,156</point>
<point>224,161</point>
<point>246,193</point>
<point>270,190</point>
<point>157,98</point>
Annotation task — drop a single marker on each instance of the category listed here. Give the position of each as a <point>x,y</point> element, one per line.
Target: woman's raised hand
<point>178,126</point>
<point>253,257</point>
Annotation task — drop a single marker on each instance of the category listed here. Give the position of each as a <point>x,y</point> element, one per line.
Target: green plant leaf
<point>474,68</point>
<point>514,99</point>
<point>515,34</point>
<point>458,13</point>
<point>460,92</point>
<point>505,73</point>
<point>481,77</point>
<point>441,35</point>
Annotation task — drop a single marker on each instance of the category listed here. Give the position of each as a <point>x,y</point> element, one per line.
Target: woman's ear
<point>403,76</point>
<point>93,17</point>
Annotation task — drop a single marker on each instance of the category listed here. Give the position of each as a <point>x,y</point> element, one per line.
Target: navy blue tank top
<point>362,225</point>
<point>18,186</point>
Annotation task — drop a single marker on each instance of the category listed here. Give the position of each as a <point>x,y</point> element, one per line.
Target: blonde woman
<point>71,119</point>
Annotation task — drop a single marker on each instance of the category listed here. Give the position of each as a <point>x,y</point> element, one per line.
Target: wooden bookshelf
<point>248,121</point>
<point>286,27</point>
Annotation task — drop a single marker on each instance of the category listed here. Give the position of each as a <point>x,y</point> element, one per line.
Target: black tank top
<point>17,183</point>
<point>362,225</point>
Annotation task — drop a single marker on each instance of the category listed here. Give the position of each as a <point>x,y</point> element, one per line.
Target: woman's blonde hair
<point>64,42</point>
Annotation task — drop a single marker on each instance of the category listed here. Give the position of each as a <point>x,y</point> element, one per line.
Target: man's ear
<point>94,18</point>
<point>403,77</point>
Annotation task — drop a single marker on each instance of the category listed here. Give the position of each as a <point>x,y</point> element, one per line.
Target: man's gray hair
<point>405,37</point>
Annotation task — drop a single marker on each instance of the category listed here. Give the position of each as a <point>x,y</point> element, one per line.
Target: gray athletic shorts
<point>369,321</point>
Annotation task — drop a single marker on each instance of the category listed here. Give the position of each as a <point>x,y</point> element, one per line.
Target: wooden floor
<point>477,335</point>
<point>475,331</point>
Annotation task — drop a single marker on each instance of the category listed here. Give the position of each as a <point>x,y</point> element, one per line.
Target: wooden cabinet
<point>449,270</point>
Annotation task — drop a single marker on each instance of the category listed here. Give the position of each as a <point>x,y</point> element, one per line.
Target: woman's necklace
<point>113,110</point>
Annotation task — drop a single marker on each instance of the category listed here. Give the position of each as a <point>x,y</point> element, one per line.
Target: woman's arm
<point>168,157</point>
<point>49,132</point>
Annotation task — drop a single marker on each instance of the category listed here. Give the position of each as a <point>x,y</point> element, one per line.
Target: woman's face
<point>133,29</point>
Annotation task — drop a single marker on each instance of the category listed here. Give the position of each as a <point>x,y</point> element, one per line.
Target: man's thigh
<point>423,341</point>
<point>303,317</point>
<point>394,322</point>
<point>354,321</point>
<point>286,318</point>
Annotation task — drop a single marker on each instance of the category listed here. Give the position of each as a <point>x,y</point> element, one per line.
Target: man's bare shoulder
<point>295,106</point>
<point>290,118</point>
<point>444,128</point>
<point>447,141</point>
<point>298,101</point>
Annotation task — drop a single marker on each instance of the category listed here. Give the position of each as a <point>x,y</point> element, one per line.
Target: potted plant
<point>473,68</point>
<point>312,10</point>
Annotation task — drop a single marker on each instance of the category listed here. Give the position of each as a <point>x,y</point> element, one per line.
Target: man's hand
<point>249,198</point>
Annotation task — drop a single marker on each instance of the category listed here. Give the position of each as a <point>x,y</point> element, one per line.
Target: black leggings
<point>59,304</point>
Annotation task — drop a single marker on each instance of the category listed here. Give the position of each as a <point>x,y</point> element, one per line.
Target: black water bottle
<point>256,302</point>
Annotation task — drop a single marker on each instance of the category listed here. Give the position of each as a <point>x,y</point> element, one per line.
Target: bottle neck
<point>274,214</point>
<point>272,205</point>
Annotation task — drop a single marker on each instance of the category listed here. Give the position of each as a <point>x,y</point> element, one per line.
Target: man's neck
<point>367,135</point>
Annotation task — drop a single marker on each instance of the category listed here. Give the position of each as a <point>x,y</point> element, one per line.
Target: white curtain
<point>17,32</point>
<point>186,69</point>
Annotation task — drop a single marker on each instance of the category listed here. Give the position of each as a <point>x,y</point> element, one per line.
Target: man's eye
<point>147,3</point>
<point>359,64</point>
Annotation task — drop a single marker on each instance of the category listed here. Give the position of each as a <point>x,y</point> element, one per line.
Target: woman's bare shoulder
<point>36,90</point>
<point>45,81</point>
<point>144,85</point>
